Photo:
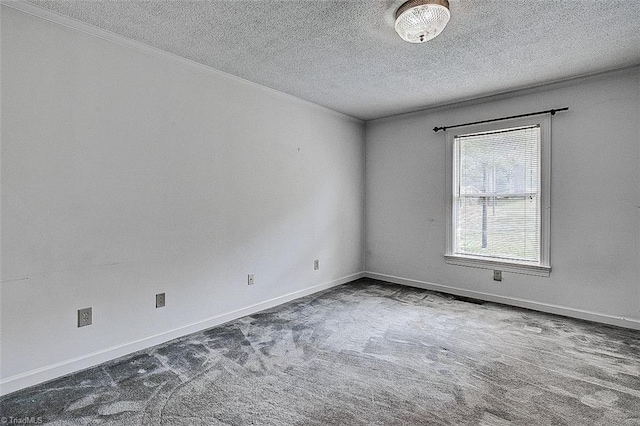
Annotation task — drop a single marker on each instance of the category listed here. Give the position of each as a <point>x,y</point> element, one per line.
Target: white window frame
<point>541,268</point>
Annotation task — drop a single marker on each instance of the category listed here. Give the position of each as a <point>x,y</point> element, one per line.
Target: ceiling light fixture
<point>418,21</point>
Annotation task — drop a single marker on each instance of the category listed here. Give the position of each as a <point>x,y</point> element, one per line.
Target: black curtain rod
<point>551,111</point>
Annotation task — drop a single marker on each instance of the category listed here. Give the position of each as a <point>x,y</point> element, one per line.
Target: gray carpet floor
<point>365,353</point>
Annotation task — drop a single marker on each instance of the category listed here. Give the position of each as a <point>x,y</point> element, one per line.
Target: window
<point>499,204</point>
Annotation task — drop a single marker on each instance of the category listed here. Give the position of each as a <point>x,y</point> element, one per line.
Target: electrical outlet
<point>251,279</point>
<point>497,275</point>
<point>84,317</point>
<point>316,264</point>
<point>160,300</point>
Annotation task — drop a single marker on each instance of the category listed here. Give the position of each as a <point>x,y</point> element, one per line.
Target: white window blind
<point>499,203</point>
<point>498,194</point>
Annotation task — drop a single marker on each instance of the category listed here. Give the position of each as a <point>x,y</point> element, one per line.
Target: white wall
<point>126,173</point>
<point>595,199</point>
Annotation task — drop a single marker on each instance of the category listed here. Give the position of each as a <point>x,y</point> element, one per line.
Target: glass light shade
<point>422,22</point>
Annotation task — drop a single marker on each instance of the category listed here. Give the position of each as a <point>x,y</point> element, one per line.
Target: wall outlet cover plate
<point>85,317</point>
<point>160,300</point>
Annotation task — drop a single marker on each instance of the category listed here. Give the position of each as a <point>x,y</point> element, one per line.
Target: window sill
<point>483,263</point>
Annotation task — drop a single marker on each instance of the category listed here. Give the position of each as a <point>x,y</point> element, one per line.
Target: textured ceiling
<point>345,55</point>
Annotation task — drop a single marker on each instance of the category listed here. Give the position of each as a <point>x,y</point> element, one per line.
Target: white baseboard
<point>53,371</point>
<point>536,306</point>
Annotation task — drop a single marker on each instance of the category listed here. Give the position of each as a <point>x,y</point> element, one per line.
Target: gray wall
<point>595,199</point>
<point>127,173</point>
